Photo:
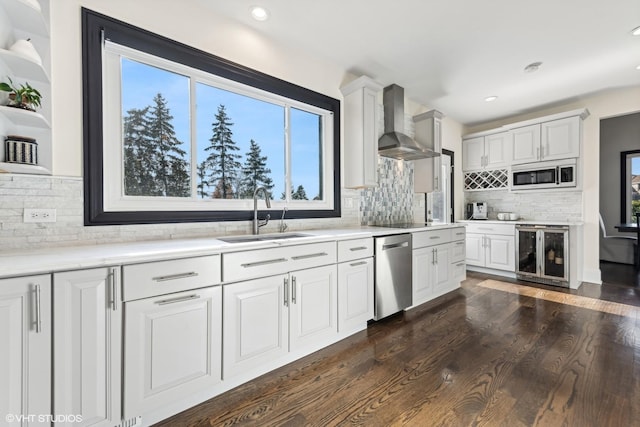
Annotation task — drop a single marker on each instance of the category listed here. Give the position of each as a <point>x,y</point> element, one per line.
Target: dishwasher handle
<point>395,245</point>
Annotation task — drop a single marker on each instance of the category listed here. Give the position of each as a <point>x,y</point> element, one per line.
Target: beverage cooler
<point>542,254</point>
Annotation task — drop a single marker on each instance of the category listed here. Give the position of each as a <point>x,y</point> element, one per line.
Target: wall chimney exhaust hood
<point>394,142</point>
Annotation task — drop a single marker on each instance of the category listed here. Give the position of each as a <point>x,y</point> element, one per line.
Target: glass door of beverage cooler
<point>555,262</point>
<point>527,251</point>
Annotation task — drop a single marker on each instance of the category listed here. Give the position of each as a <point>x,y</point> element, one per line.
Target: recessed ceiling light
<point>259,13</point>
<point>636,31</point>
<point>534,66</point>
<point>491,98</point>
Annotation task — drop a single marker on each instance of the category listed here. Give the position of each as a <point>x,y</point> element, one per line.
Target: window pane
<point>156,136</point>
<point>240,145</point>
<point>306,155</point>
<point>635,187</point>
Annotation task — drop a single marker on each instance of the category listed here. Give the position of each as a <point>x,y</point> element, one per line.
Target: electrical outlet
<point>39,215</point>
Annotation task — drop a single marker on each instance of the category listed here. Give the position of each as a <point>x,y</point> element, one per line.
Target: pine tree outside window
<point>178,139</point>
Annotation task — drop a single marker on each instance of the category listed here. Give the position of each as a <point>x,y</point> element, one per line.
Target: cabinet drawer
<point>489,228</point>
<point>458,233</point>
<point>355,249</point>
<point>245,265</point>
<point>163,277</point>
<point>458,271</point>
<point>431,237</point>
<point>458,251</point>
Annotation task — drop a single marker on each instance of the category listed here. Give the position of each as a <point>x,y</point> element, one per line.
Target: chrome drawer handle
<point>175,276</point>
<point>461,264</point>
<point>295,258</point>
<point>434,237</point>
<point>178,299</point>
<point>355,264</point>
<point>38,314</point>
<point>259,263</point>
<point>293,289</point>
<point>114,289</point>
<point>359,248</point>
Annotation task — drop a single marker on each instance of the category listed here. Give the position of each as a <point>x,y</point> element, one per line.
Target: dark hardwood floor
<point>495,353</point>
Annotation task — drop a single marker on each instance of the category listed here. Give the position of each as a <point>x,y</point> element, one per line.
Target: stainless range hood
<point>394,142</point>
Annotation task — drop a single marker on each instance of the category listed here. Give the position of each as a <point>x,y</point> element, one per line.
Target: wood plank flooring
<point>490,354</point>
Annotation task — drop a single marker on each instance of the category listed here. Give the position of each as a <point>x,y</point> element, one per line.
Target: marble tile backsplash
<point>554,205</point>
<point>64,194</point>
<point>393,199</point>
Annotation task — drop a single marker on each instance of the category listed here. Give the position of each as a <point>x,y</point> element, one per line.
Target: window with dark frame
<point>629,185</point>
<point>193,141</point>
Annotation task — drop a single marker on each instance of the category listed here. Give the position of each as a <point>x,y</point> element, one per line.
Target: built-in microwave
<point>556,174</point>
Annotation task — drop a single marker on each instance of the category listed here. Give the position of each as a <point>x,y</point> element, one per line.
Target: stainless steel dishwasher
<point>393,289</point>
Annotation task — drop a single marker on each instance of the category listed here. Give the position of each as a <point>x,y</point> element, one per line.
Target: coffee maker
<point>477,210</point>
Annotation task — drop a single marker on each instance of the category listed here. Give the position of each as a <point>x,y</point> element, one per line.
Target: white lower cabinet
<point>431,276</point>
<point>269,317</point>
<point>25,349</point>
<point>355,294</point>
<point>171,348</point>
<point>87,356</point>
<point>436,262</point>
<point>491,246</point>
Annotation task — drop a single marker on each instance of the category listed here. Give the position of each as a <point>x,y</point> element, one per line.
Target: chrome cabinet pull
<point>433,256</point>
<point>38,313</point>
<point>297,257</point>
<point>293,289</point>
<point>460,264</point>
<point>434,237</point>
<point>114,289</point>
<point>175,276</point>
<point>436,256</point>
<point>358,248</point>
<point>178,299</point>
<point>355,264</point>
<point>286,292</point>
<point>259,263</point>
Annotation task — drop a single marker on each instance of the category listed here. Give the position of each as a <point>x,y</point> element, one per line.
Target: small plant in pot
<point>23,96</point>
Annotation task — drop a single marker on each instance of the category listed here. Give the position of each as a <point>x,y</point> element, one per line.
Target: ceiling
<point>451,55</point>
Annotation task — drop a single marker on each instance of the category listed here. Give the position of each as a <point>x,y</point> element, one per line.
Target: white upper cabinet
<point>554,140</point>
<point>360,145</point>
<point>428,132</point>
<point>560,139</point>
<point>487,152</point>
<point>526,144</point>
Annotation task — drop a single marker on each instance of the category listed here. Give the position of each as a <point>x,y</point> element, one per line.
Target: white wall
<point>185,22</point>
<point>603,105</point>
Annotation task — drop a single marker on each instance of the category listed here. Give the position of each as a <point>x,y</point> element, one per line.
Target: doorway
<point>439,204</point>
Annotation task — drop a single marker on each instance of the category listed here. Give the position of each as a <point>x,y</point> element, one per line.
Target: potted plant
<point>24,96</point>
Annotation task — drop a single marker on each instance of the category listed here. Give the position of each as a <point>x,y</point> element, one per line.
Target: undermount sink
<point>261,238</point>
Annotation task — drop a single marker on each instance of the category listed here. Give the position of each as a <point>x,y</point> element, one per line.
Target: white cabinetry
<point>526,144</point>
<point>560,139</point>
<point>433,255</point>
<point>553,140</point>
<point>486,152</point>
<point>428,132</point>
<point>87,346</point>
<point>172,342</point>
<point>26,22</point>
<point>491,246</point>
<point>360,133</point>
<point>355,284</point>
<point>291,311</point>
<point>25,353</point>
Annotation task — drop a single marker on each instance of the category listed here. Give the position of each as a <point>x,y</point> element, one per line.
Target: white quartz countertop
<point>39,261</point>
<point>519,221</point>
